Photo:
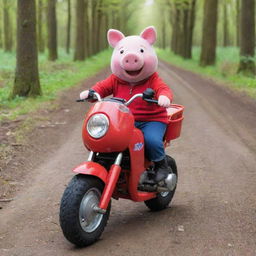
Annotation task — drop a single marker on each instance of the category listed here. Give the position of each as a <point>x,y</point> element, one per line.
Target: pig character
<point>134,58</point>
<point>134,64</point>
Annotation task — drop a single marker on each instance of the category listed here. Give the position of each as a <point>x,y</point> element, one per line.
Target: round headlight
<point>97,125</point>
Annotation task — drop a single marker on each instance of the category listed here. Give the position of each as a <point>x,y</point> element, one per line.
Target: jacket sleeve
<point>161,88</point>
<point>104,87</point>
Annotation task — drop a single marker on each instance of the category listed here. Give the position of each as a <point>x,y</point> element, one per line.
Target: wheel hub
<point>88,217</point>
<point>164,194</point>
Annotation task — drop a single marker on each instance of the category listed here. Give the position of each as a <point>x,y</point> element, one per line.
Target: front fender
<point>92,168</point>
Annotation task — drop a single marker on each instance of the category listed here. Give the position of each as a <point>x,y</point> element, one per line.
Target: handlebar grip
<point>90,96</point>
<point>151,101</point>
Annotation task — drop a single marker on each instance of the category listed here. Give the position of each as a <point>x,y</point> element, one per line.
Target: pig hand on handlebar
<point>84,95</point>
<point>164,101</point>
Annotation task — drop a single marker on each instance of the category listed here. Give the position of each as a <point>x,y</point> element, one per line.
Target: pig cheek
<point>116,66</point>
<point>150,65</point>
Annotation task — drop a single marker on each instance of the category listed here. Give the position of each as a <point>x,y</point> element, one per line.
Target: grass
<point>54,77</point>
<point>224,70</point>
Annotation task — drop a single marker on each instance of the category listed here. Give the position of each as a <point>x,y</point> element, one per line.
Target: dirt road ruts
<point>213,211</point>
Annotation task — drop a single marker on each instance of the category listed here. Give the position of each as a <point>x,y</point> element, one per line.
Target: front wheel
<point>163,199</point>
<point>80,223</point>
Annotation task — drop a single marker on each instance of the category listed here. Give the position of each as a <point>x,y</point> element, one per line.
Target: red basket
<point>175,117</point>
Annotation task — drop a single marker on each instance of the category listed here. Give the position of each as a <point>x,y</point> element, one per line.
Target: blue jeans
<point>153,135</point>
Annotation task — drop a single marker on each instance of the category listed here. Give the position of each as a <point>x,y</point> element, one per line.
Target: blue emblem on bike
<point>138,146</point>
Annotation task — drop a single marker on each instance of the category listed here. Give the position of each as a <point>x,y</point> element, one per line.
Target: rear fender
<point>92,168</point>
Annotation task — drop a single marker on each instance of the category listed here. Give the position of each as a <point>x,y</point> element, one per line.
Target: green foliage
<point>225,69</point>
<point>54,77</point>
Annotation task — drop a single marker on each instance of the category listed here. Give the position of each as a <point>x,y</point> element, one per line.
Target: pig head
<point>133,58</point>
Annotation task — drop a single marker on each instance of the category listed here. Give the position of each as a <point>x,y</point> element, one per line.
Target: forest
<point>52,52</point>
<point>43,41</point>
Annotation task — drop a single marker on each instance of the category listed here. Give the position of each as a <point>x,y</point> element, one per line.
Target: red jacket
<point>142,110</point>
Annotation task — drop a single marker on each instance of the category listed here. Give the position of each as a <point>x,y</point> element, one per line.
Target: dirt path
<point>213,212</point>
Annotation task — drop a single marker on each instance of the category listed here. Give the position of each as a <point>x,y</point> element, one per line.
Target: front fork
<point>110,184</point>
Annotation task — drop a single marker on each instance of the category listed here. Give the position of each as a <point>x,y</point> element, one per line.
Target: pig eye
<point>141,50</point>
<point>122,51</point>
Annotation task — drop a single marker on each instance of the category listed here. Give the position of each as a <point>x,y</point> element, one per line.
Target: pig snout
<point>132,62</point>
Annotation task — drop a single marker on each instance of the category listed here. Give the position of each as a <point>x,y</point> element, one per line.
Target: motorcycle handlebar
<point>95,96</point>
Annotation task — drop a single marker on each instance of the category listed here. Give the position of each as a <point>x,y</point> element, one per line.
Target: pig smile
<point>133,72</point>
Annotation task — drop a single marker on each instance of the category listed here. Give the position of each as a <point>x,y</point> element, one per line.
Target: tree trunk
<point>7,27</point>
<point>163,30</point>
<point>90,28</point>
<point>87,29</point>
<point>99,24</point>
<point>190,30</point>
<point>184,33</point>
<point>175,30</point>
<point>225,26</point>
<point>247,38</point>
<point>94,27</point>
<point>80,30</point>
<point>103,32</point>
<point>116,20</point>
<point>172,18</point>
<point>40,40</point>
<point>208,49</point>
<point>1,35</point>
<point>107,27</point>
<point>68,27</point>
<point>52,30</point>
<point>26,76</point>
<point>238,23</point>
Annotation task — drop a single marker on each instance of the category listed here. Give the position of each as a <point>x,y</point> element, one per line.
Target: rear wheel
<point>80,223</point>
<point>163,199</point>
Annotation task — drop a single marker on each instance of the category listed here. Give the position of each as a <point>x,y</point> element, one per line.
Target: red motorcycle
<point>116,167</point>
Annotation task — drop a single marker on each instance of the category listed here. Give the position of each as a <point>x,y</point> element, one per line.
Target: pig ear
<point>149,34</point>
<point>114,36</point>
